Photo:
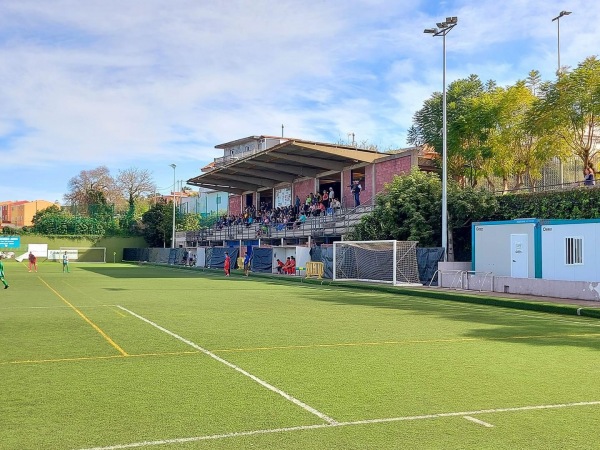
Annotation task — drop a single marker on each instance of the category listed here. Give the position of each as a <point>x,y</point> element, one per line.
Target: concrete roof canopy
<point>285,162</point>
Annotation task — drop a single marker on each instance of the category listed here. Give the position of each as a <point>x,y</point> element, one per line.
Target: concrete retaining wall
<point>460,276</point>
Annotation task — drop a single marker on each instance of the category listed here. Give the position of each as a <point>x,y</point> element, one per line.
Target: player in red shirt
<point>32,262</point>
<point>227,265</point>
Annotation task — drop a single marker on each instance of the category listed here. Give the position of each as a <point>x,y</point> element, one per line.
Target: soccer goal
<point>84,254</point>
<point>393,262</point>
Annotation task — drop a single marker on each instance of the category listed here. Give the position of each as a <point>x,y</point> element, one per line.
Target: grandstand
<point>268,170</point>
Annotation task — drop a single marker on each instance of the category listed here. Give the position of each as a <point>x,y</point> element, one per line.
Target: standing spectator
<point>247,260</point>
<point>2,273</point>
<point>355,188</point>
<point>227,265</point>
<point>325,199</point>
<point>331,195</point>
<point>589,179</point>
<point>65,260</point>
<point>32,261</point>
<point>297,205</point>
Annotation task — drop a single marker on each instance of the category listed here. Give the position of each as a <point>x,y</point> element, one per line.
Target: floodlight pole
<point>444,29</point>
<point>557,18</point>
<point>174,182</point>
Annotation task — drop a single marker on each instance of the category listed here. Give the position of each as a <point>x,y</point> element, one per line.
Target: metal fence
<point>556,175</point>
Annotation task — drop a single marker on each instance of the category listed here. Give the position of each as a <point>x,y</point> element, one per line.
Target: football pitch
<point>116,356</point>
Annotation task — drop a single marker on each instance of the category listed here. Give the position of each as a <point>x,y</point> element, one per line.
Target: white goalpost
<point>391,261</point>
<point>79,254</point>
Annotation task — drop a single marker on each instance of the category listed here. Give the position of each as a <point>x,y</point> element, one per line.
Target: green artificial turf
<point>127,356</point>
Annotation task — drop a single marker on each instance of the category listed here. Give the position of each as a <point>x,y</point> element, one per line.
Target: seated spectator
<point>280,266</point>
<point>336,204</point>
<point>286,266</point>
<point>301,220</point>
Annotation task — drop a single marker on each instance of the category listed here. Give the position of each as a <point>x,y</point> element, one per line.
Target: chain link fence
<point>556,175</point>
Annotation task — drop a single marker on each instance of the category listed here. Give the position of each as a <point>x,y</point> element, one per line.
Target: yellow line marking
<point>84,317</point>
<point>118,312</point>
<point>423,341</point>
<point>95,358</point>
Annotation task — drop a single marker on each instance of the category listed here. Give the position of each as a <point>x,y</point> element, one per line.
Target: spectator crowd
<point>290,217</point>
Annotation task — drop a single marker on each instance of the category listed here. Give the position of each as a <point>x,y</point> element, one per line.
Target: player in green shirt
<point>65,259</point>
<point>2,273</point>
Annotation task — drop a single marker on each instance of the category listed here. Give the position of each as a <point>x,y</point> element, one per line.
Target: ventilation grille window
<point>574,250</point>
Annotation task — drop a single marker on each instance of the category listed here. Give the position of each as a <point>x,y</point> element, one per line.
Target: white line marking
<point>237,368</point>
<point>339,424</point>
<point>479,422</point>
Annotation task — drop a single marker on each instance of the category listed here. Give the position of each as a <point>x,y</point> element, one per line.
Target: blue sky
<point>147,83</point>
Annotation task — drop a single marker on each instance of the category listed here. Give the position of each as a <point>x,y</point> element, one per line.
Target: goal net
<point>79,254</point>
<point>392,262</point>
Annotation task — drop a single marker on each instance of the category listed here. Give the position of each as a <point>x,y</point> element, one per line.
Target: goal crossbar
<point>81,254</point>
<point>385,261</point>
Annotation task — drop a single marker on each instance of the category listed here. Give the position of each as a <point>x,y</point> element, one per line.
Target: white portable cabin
<point>570,250</point>
<point>301,253</point>
<point>505,248</point>
<point>565,250</point>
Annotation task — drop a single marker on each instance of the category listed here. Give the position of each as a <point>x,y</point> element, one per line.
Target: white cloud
<point>146,83</point>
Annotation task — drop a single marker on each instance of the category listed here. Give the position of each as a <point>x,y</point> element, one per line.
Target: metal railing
<point>461,279</point>
<point>339,223</point>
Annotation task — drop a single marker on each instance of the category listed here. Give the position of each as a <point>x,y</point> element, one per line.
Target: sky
<point>148,83</point>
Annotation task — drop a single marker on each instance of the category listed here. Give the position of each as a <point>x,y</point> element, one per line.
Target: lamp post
<point>443,29</point>
<point>557,18</point>
<point>173,235</point>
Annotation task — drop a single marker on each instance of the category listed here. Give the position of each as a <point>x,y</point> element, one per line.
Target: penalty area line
<point>263,383</point>
<point>478,422</point>
<point>465,414</point>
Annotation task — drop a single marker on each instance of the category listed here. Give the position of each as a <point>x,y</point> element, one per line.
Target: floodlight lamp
<point>565,13</point>
<point>172,165</point>
<point>430,30</point>
<point>452,20</point>
<point>441,24</point>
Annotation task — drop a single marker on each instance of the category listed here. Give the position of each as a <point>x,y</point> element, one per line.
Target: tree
<point>84,188</point>
<point>134,184</point>
<point>410,209</point>
<point>568,114</point>
<point>157,225</point>
<point>468,125</point>
<point>533,82</point>
<point>516,151</point>
<point>52,210</point>
<point>188,222</point>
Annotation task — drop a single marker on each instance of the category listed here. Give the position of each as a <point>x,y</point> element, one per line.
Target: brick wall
<point>235,204</point>
<point>303,188</point>
<point>385,170</point>
<point>347,197</point>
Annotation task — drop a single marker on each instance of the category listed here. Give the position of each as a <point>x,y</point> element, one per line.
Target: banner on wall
<point>283,197</point>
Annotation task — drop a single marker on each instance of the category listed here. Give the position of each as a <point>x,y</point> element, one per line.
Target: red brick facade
<point>235,204</point>
<point>302,189</point>
<point>385,170</point>
<point>375,178</point>
<point>347,197</point>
